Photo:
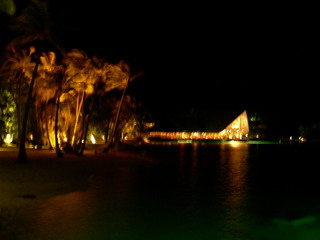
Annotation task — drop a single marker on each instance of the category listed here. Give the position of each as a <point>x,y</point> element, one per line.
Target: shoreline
<point>45,175</point>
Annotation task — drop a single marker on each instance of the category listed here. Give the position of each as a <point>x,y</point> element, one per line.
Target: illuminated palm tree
<point>105,77</point>
<point>45,90</point>
<point>33,28</point>
<point>59,81</point>
<point>79,77</point>
<point>127,77</point>
<point>95,80</point>
<point>17,72</point>
<point>22,156</point>
<point>89,78</point>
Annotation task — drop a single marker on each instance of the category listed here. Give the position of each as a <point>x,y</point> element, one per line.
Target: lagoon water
<point>222,191</point>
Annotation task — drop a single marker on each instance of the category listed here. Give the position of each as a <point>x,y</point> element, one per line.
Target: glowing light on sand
<point>8,139</point>
<point>93,140</point>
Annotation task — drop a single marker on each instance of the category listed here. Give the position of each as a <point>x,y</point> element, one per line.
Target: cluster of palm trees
<point>63,90</point>
<point>62,96</point>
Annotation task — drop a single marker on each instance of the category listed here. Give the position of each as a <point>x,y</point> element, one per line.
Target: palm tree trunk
<point>116,123</point>
<point>85,132</point>
<point>22,156</point>
<point>47,129</point>
<point>78,109</point>
<point>58,150</point>
<point>38,123</point>
<point>19,109</point>
<point>93,102</point>
<point>106,132</point>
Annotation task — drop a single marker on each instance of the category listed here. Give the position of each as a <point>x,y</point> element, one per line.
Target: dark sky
<point>202,58</point>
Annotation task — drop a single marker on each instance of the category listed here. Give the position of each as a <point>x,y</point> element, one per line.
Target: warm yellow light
<point>234,143</point>
<point>302,139</point>
<point>8,139</point>
<point>89,89</point>
<point>93,140</point>
<point>150,124</point>
<point>235,130</point>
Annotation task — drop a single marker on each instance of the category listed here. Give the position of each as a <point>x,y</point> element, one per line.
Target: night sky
<point>205,60</point>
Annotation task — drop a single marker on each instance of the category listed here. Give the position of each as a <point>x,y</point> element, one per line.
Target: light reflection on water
<point>198,191</point>
<point>233,170</point>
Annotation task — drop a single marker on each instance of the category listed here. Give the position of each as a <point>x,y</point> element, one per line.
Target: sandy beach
<point>45,176</point>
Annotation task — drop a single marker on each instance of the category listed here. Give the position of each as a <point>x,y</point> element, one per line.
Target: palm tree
<point>22,155</point>
<point>58,150</point>
<point>105,77</point>
<point>89,78</point>
<point>78,77</point>
<point>129,121</point>
<point>34,26</point>
<point>60,81</point>
<point>125,68</point>
<point>97,73</point>
<point>17,70</point>
<point>46,88</point>
<point>34,29</point>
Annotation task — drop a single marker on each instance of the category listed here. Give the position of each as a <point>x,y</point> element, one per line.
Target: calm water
<point>197,191</point>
